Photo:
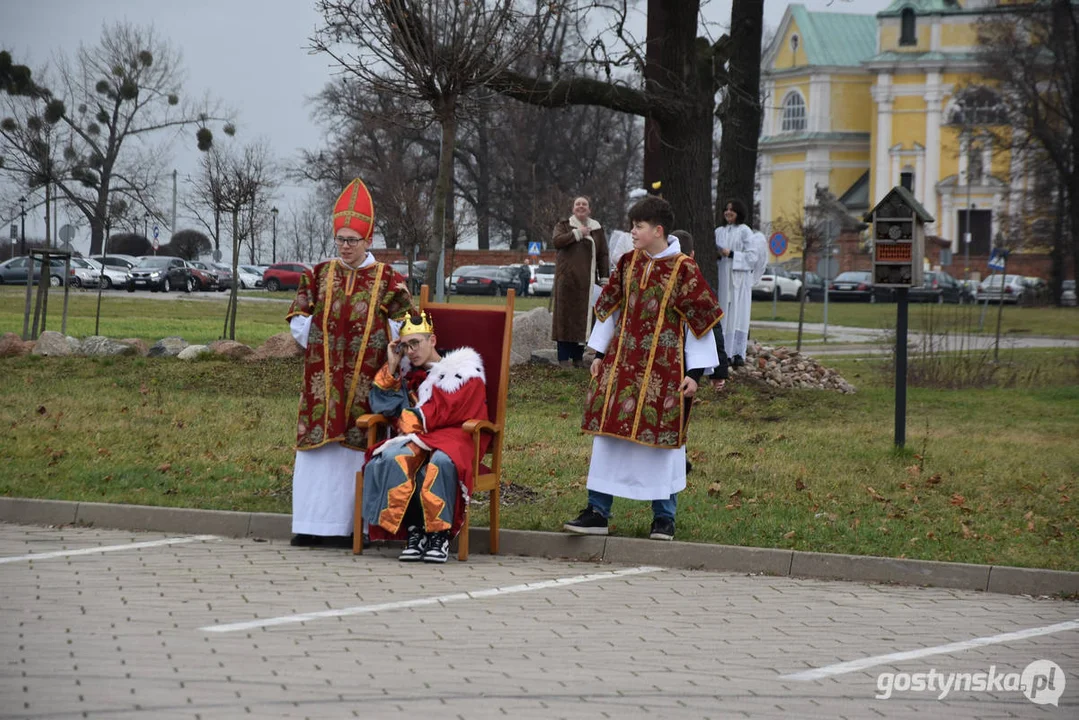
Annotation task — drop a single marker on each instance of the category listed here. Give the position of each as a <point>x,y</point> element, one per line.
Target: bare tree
<point>433,52</point>
<point>106,105</point>
<point>1030,56</point>
<point>675,92</point>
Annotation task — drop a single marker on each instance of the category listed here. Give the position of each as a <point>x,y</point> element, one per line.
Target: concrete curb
<point>590,548</point>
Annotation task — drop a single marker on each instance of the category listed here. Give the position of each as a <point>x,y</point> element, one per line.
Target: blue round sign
<point>777,244</point>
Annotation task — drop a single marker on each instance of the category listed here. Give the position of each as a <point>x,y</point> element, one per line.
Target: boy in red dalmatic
<point>653,342</point>
<point>341,316</point>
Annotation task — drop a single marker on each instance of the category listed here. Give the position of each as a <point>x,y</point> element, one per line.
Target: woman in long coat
<point>580,264</point>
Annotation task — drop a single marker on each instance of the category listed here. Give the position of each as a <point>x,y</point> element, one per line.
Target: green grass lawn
<point>1048,321</point>
<point>988,476</point>
<point>198,320</point>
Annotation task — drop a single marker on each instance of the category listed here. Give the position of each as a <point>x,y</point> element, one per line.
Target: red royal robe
<point>636,396</point>
<point>454,391</point>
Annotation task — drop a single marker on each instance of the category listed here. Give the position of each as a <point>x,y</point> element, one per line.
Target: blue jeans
<point>601,502</point>
<point>569,350</point>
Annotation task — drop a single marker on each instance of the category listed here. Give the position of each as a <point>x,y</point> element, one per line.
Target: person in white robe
<point>738,255</point>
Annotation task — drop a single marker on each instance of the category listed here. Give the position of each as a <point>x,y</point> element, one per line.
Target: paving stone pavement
<point>121,634</point>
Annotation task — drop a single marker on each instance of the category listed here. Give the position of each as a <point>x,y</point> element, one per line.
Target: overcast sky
<point>250,53</point>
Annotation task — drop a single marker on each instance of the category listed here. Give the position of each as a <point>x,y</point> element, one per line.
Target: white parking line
<point>107,548</point>
<point>864,663</point>
<point>420,602</point>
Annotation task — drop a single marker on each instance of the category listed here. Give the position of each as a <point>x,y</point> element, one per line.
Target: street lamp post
<point>22,217</point>
<point>273,211</point>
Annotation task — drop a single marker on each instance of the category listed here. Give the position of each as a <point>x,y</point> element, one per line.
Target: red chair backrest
<point>481,330</point>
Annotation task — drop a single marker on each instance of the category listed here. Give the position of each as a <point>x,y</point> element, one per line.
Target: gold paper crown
<point>411,327</point>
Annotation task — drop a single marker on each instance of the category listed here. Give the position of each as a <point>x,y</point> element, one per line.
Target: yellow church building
<point>861,103</point>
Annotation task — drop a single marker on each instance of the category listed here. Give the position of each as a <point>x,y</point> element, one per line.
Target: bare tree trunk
<point>802,299</point>
<point>483,185</point>
<point>233,294</point>
<point>443,196</point>
<point>742,119</point>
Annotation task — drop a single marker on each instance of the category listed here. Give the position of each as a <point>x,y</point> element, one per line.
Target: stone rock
<point>167,347</point>
<point>281,345</point>
<point>545,357</point>
<point>11,345</point>
<point>785,368</point>
<point>101,346</point>
<point>52,344</point>
<point>531,332</point>
<point>141,348</point>
<point>193,351</point>
<point>230,349</point>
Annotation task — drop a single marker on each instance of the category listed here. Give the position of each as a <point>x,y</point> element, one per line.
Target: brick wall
<point>459,258</point>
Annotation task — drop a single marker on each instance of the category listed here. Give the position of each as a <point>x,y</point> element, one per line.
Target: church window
<point>794,113</point>
<point>908,34</point>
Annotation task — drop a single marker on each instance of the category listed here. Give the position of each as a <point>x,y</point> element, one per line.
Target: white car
<point>544,284</point>
<point>86,274</point>
<point>790,287</point>
<point>250,277</point>
<point>111,275</point>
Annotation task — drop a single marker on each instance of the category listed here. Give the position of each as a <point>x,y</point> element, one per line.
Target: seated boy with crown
<point>416,485</point>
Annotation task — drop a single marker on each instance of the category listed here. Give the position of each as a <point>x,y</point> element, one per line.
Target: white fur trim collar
<point>451,372</point>
<point>577,225</point>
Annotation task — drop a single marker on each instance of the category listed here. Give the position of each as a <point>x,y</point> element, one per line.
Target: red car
<point>283,276</point>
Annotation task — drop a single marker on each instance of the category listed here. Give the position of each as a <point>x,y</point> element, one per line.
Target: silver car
<point>1067,293</point>
<point>86,274</point>
<point>544,284</point>
<point>990,289</point>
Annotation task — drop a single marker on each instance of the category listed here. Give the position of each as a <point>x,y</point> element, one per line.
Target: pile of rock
<point>782,367</point>
<point>53,344</point>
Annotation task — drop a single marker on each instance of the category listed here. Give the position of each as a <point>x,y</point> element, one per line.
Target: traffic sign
<point>997,258</point>
<point>155,232</point>
<point>777,244</point>
<point>535,247</point>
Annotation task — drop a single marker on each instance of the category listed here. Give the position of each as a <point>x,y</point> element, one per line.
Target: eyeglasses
<point>411,345</point>
<point>350,241</point>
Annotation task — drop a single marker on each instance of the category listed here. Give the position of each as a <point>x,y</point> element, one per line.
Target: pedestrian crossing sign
<point>535,247</point>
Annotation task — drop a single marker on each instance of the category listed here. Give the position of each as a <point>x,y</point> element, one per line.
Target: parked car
<point>523,276</point>
<point>83,274</point>
<point>111,276</point>
<point>254,270</point>
<point>790,287</point>
<point>969,288</point>
<point>123,262</point>
<point>224,275</point>
<point>160,272</point>
<point>990,288</point>
<point>544,284</point>
<point>937,287</point>
<point>248,279</point>
<point>15,270</point>
<point>451,281</point>
<point>484,280</point>
<point>1035,291</point>
<point>852,285</point>
<point>205,277</point>
<point>1067,293</point>
<point>416,279</point>
<point>283,276</point>
<point>812,285</point>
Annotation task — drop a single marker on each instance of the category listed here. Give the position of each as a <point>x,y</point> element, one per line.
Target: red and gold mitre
<point>355,209</point>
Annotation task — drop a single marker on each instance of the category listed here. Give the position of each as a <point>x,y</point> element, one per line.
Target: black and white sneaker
<point>662,529</point>
<point>438,547</point>
<point>589,522</point>
<point>414,546</point>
